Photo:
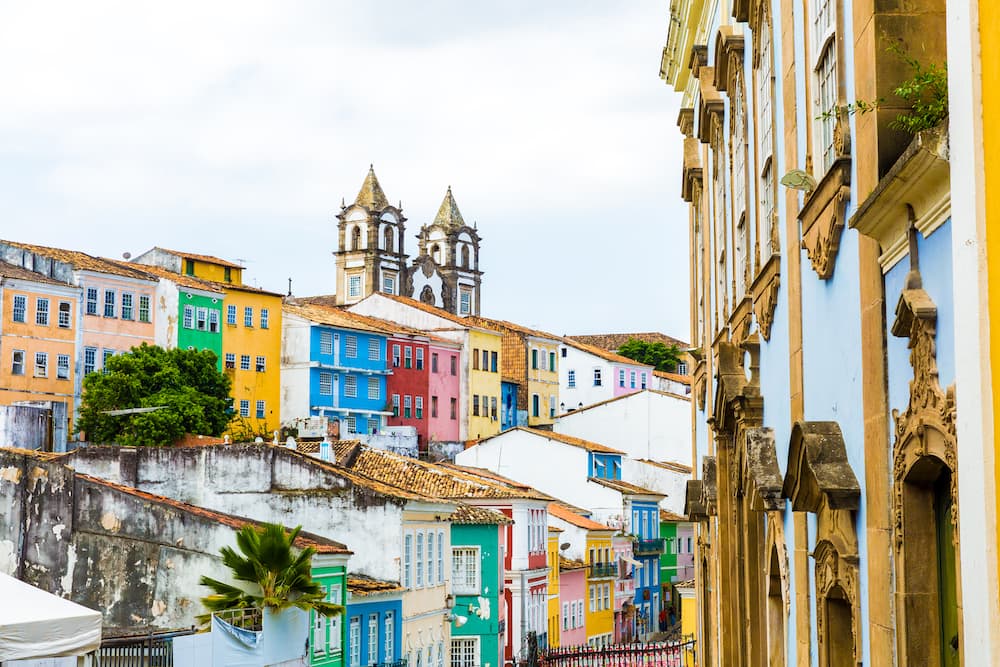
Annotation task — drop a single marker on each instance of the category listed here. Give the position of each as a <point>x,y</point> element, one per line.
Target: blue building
<point>374,622</point>
<point>334,365</point>
<point>508,401</point>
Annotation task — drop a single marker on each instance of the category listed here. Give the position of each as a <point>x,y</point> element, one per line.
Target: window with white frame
<point>441,555</point>
<point>419,561</point>
<point>374,349</point>
<point>418,407</point>
<point>643,383</point>
<point>248,316</point>
<point>65,313</point>
<point>464,301</point>
<point>597,377</point>
<point>62,367</point>
<point>407,357</point>
<point>465,652</point>
<point>565,615</point>
<point>325,383</point>
<point>408,560</point>
<point>261,410</point>
<point>352,424</point>
<point>92,298</point>
<point>20,308</point>
<point>420,359</point>
<point>319,634</point>
<point>824,44</point>
<point>440,652</point>
<point>17,362</point>
<point>351,386</point>
<point>109,303</point>
<point>389,282</point>
<point>621,377</point>
<point>571,379</point>
<point>42,312</point>
<point>430,558</point>
<point>592,590</point>
<point>213,320</point>
<point>373,389</point>
<point>260,366</point>
<point>407,406</point>
<point>89,360</point>
<point>230,360</point>
<point>354,642</point>
<point>41,364</point>
<point>389,636</point>
<point>265,318</point>
<point>395,405</point>
<point>326,342</point>
<point>201,319</point>
<point>354,285</point>
<point>395,356</point>
<point>244,408</point>
<point>465,570</point>
<point>144,312</point>
<point>231,315</point>
<point>765,139</point>
<point>607,596</point>
<point>107,354</point>
<point>631,379</point>
<point>244,362</point>
<point>552,407</point>
<point>128,306</point>
<point>351,347</point>
<point>372,639</point>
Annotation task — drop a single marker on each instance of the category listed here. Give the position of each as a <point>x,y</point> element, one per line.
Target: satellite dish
<point>564,546</point>
<point>127,255</point>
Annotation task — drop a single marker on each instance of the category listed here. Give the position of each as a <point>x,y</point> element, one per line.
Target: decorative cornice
<point>762,475</point>
<point>710,105</point>
<point>691,173</point>
<point>728,55</point>
<point>822,217</point>
<point>685,121</point>
<point>818,471</point>
<point>765,294</point>
<point>741,319</point>
<point>698,59</point>
<point>694,508</point>
<point>921,180</point>
<point>709,489</point>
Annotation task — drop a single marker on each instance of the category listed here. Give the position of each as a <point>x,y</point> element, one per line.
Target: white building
<point>589,374</point>
<point>650,425</point>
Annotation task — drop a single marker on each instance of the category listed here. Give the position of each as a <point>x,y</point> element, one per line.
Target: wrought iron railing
<point>249,618</point>
<point>653,547</point>
<point>149,650</point>
<point>660,654</point>
<point>598,570</point>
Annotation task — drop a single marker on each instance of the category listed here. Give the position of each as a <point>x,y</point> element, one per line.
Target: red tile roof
<point>362,585</point>
<point>676,377</point>
<point>668,465</point>
<point>614,341</point>
<point>578,520</point>
<point>8,270</point>
<point>625,487</point>
<point>209,259</point>
<point>603,354</point>
<point>559,437</point>
<point>81,261</point>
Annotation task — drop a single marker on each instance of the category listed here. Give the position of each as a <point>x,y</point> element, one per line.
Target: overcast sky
<point>235,128</point>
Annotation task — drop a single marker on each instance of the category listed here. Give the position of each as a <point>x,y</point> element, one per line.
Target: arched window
<point>465,256</point>
<point>436,253</point>
<point>387,239</point>
<point>356,238</point>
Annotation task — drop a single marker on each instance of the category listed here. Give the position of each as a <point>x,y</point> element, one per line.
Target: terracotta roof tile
<point>676,377</point>
<point>35,453</point>
<point>625,487</point>
<point>429,478</point>
<point>614,341</point>
<point>472,515</point>
<point>81,261</point>
<point>210,259</point>
<point>8,270</point>
<point>489,475</point>
<point>362,585</point>
<point>464,322</point>
<point>602,353</point>
<point>194,440</point>
<point>622,398</point>
<point>670,516</point>
<point>156,272</point>
<point>323,313</point>
<point>320,544</point>
<point>578,520</point>
<point>571,564</point>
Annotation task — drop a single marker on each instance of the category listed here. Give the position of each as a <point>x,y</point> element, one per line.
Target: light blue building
<point>334,365</point>
<point>374,622</point>
<point>823,335</point>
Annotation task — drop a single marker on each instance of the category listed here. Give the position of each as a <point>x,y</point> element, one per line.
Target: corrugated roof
<point>320,544</point>
<point>472,515</point>
<point>81,261</point>
<point>429,478</point>
<point>614,341</point>
<point>625,487</point>
<point>578,520</point>
<point>8,270</point>
<point>362,585</point>
<point>210,259</point>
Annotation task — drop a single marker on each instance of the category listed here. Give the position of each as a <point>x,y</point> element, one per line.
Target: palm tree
<point>278,577</point>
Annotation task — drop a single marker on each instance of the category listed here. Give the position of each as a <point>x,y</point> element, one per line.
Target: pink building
<point>572,597</point>
<point>443,389</point>
<point>624,589</point>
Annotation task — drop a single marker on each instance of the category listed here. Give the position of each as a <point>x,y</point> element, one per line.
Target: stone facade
<point>824,336</point>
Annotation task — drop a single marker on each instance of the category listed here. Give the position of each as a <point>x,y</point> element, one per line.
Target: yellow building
<point>531,361</point>
<point>38,332</point>
<point>251,338</point>
<point>484,352</point>
<point>602,570</point>
<point>552,560</point>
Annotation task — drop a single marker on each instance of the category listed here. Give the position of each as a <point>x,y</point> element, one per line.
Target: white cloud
<point>236,127</point>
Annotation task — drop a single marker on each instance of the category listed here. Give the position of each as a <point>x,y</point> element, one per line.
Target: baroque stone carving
<point>765,294</point>
<point>823,216</point>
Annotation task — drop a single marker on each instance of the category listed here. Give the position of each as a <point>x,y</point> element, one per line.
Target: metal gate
<point>671,654</point>
<point>152,650</point>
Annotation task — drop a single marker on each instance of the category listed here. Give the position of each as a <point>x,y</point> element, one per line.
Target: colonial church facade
<point>371,254</point>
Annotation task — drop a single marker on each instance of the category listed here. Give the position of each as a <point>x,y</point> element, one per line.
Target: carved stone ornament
<point>693,506</point>
<point>765,294</point>
<point>818,471</point>
<point>927,427</point>
<point>823,217</point>
<point>741,319</point>
<point>777,551</point>
<point>728,55</point>
<point>837,578</point>
<point>709,104</point>
<point>762,477</point>
<point>709,488</point>
<point>691,173</point>
<point>700,382</point>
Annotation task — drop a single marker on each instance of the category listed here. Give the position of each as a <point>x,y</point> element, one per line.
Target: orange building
<point>38,334</point>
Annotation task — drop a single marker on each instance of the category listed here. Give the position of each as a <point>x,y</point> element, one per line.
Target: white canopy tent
<point>37,624</point>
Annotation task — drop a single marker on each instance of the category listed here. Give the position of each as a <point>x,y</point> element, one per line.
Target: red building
<point>408,384</point>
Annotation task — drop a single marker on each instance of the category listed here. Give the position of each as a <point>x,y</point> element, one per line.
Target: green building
<point>676,534</point>
<point>477,544</point>
<point>327,638</point>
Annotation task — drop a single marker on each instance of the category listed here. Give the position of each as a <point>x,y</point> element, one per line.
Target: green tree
<point>278,578</point>
<point>660,356</point>
<point>192,394</point>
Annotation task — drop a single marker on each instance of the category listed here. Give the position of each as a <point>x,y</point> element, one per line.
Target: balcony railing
<point>399,663</point>
<point>603,570</point>
<point>649,547</point>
